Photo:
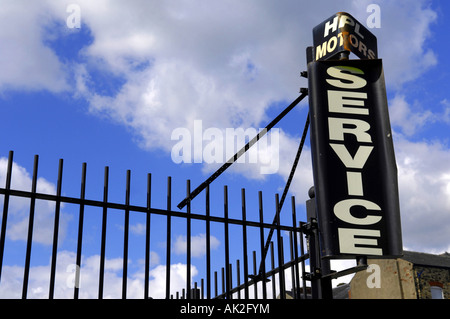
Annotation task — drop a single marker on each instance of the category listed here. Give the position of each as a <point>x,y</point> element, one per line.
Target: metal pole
<point>320,287</point>
<point>314,261</point>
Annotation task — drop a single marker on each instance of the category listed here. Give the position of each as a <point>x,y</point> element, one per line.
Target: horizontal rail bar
<point>142,209</point>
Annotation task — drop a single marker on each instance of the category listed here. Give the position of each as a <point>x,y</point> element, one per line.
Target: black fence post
<point>103,239</point>
<point>147,238</point>
<point>320,287</point>
<point>188,241</point>
<point>80,233</point>
<point>169,231</point>
<point>30,229</point>
<point>56,231</point>
<point>208,245</point>
<point>5,209</point>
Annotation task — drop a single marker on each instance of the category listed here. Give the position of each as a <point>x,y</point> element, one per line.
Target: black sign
<point>355,174</point>
<point>341,32</point>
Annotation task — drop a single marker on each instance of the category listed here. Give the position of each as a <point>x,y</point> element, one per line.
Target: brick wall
<point>425,277</point>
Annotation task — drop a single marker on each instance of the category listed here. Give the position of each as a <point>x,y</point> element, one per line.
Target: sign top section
<point>342,32</point>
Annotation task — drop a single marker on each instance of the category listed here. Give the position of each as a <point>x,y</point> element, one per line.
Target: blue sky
<point>111,92</point>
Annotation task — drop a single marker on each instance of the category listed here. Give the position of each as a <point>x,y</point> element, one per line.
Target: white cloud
<point>402,38</point>
<point>424,186</point>
<point>27,63</point>
<point>446,113</point>
<point>198,244</point>
<point>184,60</point>
<point>424,177</point>
<point>38,286</point>
<point>177,277</point>
<point>224,63</point>
<point>303,178</point>
<point>19,208</point>
<point>409,119</point>
<point>138,229</point>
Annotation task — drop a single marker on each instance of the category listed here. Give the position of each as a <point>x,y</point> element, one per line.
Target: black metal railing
<point>235,283</point>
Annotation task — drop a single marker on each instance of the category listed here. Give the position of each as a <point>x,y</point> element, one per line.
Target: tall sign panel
<point>355,173</point>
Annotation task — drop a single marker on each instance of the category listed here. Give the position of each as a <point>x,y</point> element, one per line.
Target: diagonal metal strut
<point>234,158</point>
<point>286,189</point>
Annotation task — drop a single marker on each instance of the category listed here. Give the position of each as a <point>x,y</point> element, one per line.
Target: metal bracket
<point>336,274</point>
<point>310,276</point>
<point>317,273</point>
<point>258,277</point>
<point>308,228</point>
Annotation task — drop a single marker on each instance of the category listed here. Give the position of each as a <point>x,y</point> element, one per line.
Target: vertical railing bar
<point>223,280</point>
<point>216,284</point>
<point>188,241</point>
<point>227,248</point>
<point>255,273</point>
<point>282,281</point>
<point>203,288</point>
<point>238,276</point>
<point>56,231</point>
<point>30,229</point>
<point>103,239</point>
<point>302,252</point>
<point>280,249</point>
<point>168,241</point>
<point>5,209</point>
<point>80,232</point>
<point>230,280</point>
<point>125,237</point>
<point>294,224</point>
<point>272,260</point>
<point>261,232</point>
<point>291,250</point>
<point>208,246</point>
<point>147,237</point>
<point>195,291</point>
<point>244,243</point>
